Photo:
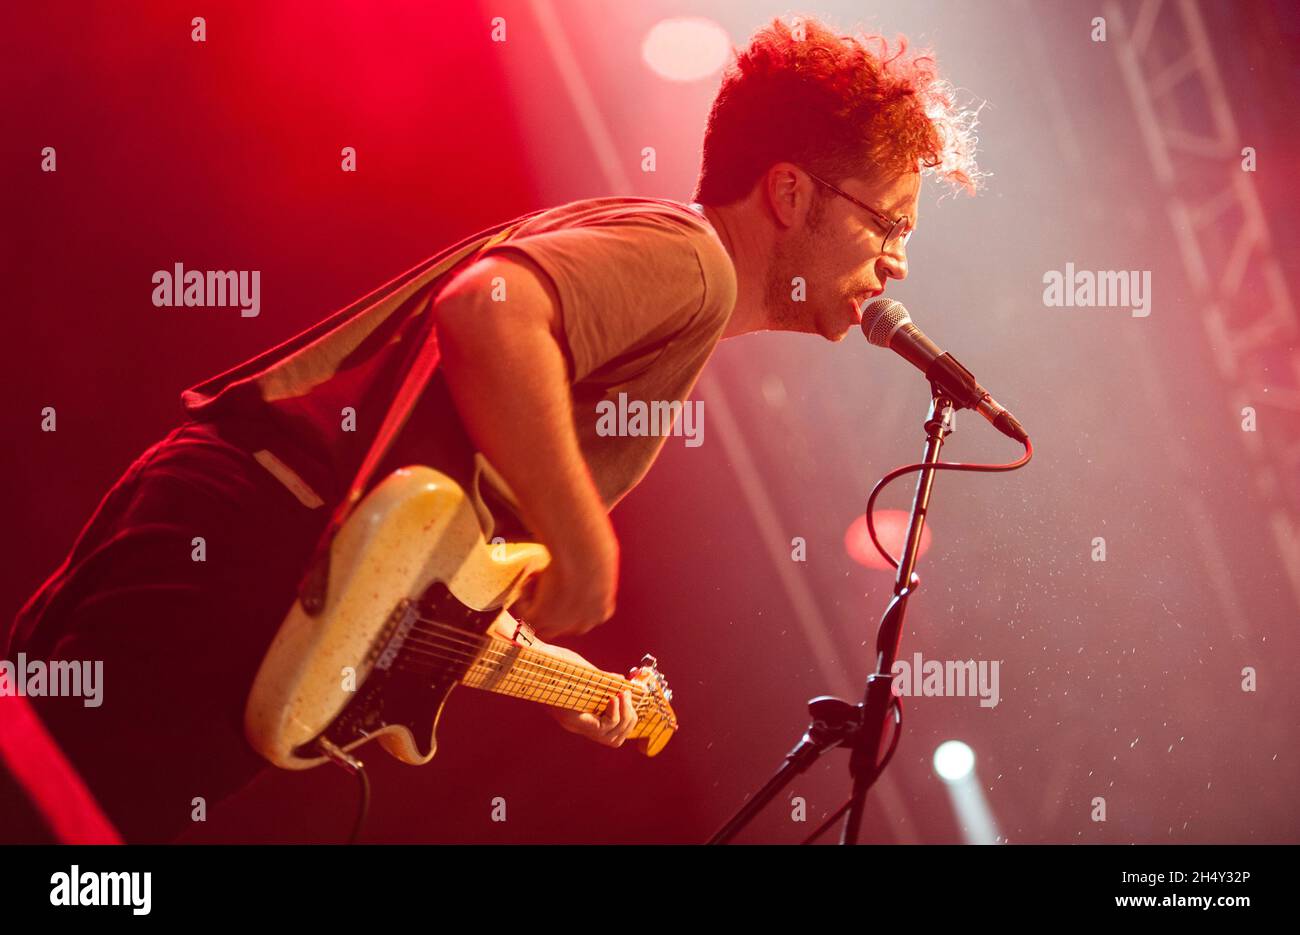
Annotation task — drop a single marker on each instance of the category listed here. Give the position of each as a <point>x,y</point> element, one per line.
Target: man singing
<point>807,197</point>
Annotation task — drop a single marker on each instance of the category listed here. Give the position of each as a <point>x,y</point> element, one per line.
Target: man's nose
<point>892,265</point>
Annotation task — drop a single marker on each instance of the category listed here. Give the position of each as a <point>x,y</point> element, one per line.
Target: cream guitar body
<point>415,606</point>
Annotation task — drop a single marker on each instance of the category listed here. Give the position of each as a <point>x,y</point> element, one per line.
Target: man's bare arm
<point>507,375</point>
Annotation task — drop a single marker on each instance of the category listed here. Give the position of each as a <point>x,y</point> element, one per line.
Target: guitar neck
<point>509,668</point>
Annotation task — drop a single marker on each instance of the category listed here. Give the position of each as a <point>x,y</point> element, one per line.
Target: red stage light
<point>891,530</point>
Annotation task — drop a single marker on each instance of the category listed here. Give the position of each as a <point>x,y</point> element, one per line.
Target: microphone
<point>886,323</point>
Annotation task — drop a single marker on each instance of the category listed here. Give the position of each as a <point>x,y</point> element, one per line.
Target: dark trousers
<point>180,639</point>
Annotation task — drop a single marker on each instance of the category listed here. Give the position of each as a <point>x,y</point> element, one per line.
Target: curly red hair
<point>801,93</point>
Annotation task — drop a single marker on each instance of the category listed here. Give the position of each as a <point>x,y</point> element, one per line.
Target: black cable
<point>940,466</point>
<point>364,806</point>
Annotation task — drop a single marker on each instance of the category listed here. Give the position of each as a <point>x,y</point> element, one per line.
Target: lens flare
<point>686,48</point>
<point>891,529</point>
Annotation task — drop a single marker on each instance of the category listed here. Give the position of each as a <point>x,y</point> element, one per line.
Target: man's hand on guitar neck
<point>613,725</point>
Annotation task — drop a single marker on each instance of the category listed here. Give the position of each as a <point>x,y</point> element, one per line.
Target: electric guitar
<point>415,605</point>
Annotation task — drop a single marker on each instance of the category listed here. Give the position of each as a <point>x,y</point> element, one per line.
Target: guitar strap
<point>419,368</point>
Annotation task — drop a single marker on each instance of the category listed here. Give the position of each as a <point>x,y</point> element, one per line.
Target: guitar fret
<point>572,696</point>
<point>540,686</point>
<point>572,687</point>
<point>525,681</point>
<point>572,684</point>
<point>553,678</point>
<point>544,687</point>
<point>535,679</point>
<point>486,673</point>
<point>480,672</point>
<point>511,684</point>
<point>533,675</point>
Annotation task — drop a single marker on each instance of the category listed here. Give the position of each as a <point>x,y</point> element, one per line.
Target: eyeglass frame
<point>895,224</point>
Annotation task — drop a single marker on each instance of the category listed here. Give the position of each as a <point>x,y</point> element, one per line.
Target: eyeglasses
<point>898,231</point>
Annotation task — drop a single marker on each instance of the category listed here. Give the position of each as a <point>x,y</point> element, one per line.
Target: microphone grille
<point>881,318</point>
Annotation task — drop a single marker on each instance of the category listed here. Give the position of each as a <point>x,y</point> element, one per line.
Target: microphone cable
<point>938,466</point>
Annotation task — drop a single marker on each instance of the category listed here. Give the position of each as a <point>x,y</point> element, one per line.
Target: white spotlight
<point>686,48</point>
<point>953,760</point>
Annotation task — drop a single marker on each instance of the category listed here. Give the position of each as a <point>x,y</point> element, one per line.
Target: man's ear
<point>786,191</point>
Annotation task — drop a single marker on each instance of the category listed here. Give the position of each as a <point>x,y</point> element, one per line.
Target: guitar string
<point>536,678</point>
<point>472,643</point>
<point>646,698</point>
<point>478,645</point>
<point>655,722</point>
<point>590,692</point>
<point>653,725</point>
<point>527,685</point>
<point>475,640</point>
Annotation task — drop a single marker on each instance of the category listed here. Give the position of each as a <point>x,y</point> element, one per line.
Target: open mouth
<point>860,304</point>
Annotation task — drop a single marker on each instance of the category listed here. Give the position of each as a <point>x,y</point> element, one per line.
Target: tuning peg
<point>649,661</point>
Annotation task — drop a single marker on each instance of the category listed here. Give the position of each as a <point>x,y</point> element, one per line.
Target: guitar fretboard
<point>534,675</point>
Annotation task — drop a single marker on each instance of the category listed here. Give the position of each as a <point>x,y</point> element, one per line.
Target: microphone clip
<point>949,377</point>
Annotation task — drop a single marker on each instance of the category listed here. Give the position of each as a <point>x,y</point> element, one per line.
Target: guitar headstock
<point>657,722</point>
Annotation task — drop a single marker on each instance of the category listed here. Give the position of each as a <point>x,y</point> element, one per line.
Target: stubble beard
<point>783,313</point>
<point>788,261</point>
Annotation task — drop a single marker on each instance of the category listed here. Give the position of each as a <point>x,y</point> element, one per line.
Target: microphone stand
<point>861,727</point>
